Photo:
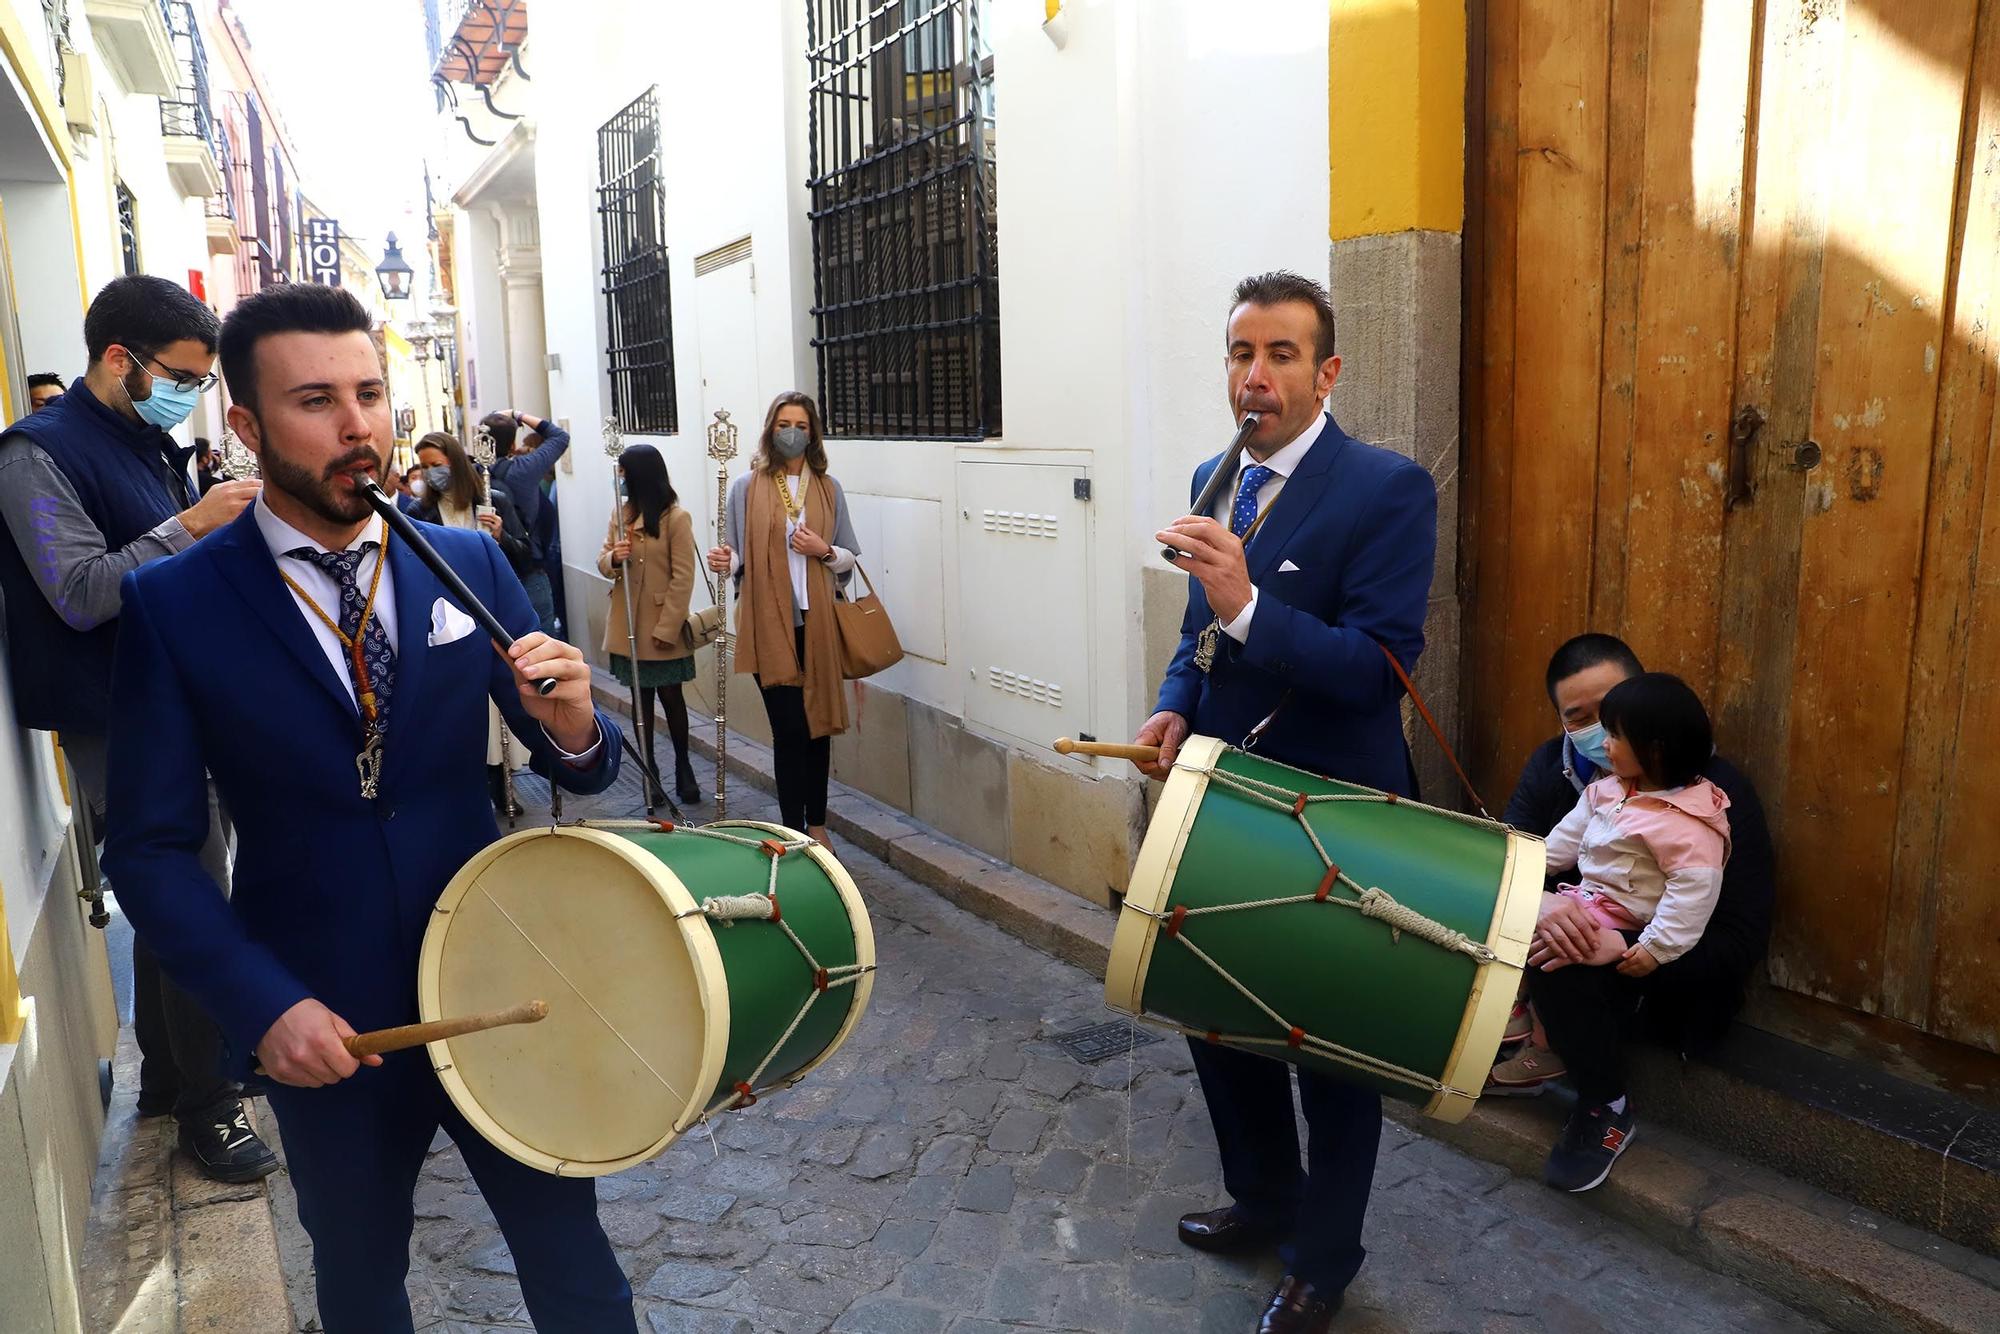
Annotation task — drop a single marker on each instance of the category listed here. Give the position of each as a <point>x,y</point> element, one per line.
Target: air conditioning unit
<point>79,94</point>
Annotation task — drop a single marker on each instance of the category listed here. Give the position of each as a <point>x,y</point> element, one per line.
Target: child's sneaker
<point>1591,1141</point>
<point>1520,1025</point>
<point>1527,1073</point>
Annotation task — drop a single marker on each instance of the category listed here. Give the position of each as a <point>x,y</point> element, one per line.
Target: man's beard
<point>325,493</point>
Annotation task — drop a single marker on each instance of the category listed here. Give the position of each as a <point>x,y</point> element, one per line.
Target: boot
<point>684,785</point>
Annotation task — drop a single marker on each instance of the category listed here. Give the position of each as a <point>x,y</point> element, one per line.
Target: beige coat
<point>663,582</point>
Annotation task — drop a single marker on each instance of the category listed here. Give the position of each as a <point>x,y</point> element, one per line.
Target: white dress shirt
<point>795,560</point>
<point>324,590</point>
<point>1282,463</point>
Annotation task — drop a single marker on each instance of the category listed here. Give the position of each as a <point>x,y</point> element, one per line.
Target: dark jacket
<point>1342,567</point>
<point>130,477</point>
<point>1692,999</point>
<point>521,475</point>
<point>513,537</point>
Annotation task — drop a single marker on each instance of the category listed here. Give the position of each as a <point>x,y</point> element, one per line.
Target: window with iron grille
<point>128,228</point>
<point>906,310</point>
<point>638,316</point>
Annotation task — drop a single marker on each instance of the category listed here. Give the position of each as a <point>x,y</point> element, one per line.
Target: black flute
<point>407,530</point>
<point>1224,471</point>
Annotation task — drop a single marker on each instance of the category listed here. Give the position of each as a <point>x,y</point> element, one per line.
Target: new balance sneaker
<point>225,1147</point>
<point>1520,1025</point>
<point>1525,1074</point>
<point>1591,1141</point>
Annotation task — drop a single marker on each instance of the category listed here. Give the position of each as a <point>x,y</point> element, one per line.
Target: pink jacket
<point>1657,855</point>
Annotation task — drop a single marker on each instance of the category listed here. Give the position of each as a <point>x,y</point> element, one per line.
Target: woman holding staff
<point>790,545</point>
<point>652,545</point>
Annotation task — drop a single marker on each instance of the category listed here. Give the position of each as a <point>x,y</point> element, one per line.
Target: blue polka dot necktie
<point>375,650</point>
<point>1245,512</point>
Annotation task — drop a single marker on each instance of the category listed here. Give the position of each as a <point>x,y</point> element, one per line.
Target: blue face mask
<point>1589,743</point>
<point>169,405</point>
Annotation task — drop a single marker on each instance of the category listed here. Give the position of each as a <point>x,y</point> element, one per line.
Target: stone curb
<point>1828,1268</point>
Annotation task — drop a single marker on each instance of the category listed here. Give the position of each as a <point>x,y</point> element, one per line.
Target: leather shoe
<point>224,1146</point>
<point>1297,1307</point>
<point>1224,1231</point>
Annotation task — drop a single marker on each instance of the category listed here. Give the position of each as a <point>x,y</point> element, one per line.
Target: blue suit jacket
<point>1359,524</point>
<point>216,669</point>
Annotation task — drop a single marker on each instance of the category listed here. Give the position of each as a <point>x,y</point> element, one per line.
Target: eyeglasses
<point>201,384</point>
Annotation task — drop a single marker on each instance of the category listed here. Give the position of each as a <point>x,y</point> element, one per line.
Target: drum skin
<point>655,1012</point>
<point>1331,971</point>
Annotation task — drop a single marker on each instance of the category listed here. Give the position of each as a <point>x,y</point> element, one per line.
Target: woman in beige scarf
<point>788,520</point>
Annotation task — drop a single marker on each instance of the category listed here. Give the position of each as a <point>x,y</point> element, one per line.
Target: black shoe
<point>1224,1231</point>
<point>1591,1141</point>
<point>225,1147</point>
<point>685,786</point>
<point>1297,1307</point>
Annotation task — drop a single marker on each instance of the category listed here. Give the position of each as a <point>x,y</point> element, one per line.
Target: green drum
<point>1340,928</point>
<point>687,971</point>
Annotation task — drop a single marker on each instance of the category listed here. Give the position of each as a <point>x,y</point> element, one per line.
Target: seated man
<point>1689,1002</point>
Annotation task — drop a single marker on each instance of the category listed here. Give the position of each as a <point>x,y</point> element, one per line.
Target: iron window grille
<point>638,311</point>
<point>187,111</point>
<point>906,311</point>
<point>128,228</point>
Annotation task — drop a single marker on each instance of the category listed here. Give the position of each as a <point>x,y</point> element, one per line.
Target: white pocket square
<point>1286,567</point>
<point>449,624</point>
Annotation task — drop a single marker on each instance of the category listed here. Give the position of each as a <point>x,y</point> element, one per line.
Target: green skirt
<point>653,671</point>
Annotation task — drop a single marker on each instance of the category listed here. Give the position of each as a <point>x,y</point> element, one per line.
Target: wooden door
<point>1732,397</point>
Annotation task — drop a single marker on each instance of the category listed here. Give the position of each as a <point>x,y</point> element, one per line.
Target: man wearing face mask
<point>1690,1001</point>
<point>91,488</point>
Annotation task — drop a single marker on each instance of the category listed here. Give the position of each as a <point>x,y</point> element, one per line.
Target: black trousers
<point>180,1048</point>
<point>803,762</point>
<point>1584,1009</point>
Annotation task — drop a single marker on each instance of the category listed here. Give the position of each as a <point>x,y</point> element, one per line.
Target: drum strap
<point>1436,731</point>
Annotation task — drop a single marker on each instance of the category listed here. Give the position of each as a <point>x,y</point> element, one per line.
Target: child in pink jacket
<point>1649,842</point>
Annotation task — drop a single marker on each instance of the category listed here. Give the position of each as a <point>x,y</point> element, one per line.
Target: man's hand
<point>809,544</point>
<point>565,713</point>
<point>1637,962</point>
<point>304,1048</point>
<point>1167,730</point>
<point>1214,556</point>
<point>224,501</point>
<point>1568,925</point>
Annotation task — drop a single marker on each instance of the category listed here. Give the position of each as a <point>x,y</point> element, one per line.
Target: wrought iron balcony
<point>186,118</point>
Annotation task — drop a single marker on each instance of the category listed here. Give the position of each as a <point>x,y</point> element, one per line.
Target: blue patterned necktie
<point>1245,512</point>
<point>375,650</point>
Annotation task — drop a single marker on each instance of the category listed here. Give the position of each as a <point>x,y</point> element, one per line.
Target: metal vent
<point>1027,687</point>
<point>722,256</point>
<point>1016,521</point>
<point>1100,1042</point>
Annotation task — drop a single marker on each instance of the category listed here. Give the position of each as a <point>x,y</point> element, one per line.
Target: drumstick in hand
<point>416,1035</point>
<point>1110,750</point>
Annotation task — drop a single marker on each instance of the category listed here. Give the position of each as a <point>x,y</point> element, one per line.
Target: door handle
<point>1742,467</point>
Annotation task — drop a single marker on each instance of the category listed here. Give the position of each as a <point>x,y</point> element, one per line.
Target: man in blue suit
<point>340,649</point>
<point>1318,556</point>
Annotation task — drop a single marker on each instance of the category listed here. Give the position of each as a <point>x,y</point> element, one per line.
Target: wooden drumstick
<point>1110,750</point>
<point>416,1035</point>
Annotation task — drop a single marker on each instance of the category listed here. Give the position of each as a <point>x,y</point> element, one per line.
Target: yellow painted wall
<point>1395,116</point>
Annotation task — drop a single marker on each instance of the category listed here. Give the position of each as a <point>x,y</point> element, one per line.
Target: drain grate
<point>1100,1042</point>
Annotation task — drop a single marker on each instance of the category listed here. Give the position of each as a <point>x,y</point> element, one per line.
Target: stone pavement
<point>953,1169</point>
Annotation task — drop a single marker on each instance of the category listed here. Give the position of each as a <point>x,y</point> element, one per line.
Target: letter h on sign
<point>323,251</point>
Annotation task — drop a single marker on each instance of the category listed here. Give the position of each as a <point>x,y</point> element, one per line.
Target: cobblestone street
<point>953,1169</point>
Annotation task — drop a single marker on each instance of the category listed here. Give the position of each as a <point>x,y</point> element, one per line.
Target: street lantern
<point>394,272</point>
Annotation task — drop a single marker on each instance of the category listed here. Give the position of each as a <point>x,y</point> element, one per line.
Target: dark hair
<point>501,424</point>
<point>1282,285</point>
<point>1662,720</point>
<point>281,309</point>
<point>648,491</point>
<point>1587,651</point>
<point>141,313</point>
<point>767,458</point>
<point>45,380</point>
<point>467,489</point>
<point>201,445</point>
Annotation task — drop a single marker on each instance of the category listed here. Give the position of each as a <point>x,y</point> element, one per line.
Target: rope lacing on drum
<point>729,909</point>
<point>1370,901</point>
